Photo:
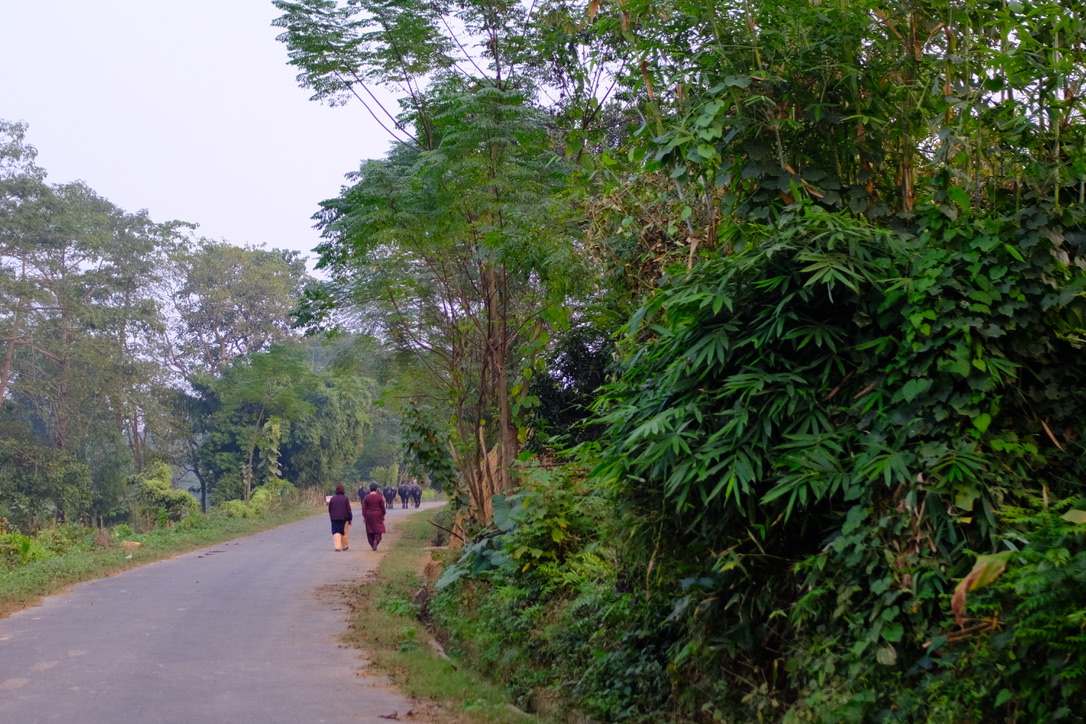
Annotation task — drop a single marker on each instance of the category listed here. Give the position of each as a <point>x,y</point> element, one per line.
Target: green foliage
<point>548,522</point>
<point>455,246</point>
<point>878,353</point>
<point>320,447</point>
<point>121,532</point>
<point>17,549</point>
<point>38,483</point>
<point>398,606</point>
<point>386,476</point>
<point>236,509</point>
<point>272,495</point>
<point>105,316</point>
<point>1018,657</point>
<point>231,301</point>
<point>860,232</point>
<point>577,363</point>
<point>428,447</point>
<point>791,412</point>
<point>260,423</point>
<point>720,402</point>
<point>541,595</point>
<point>154,490</point>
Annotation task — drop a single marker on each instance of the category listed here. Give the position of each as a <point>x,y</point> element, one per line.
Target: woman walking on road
<point>339,510</point>
<point>373,514</point>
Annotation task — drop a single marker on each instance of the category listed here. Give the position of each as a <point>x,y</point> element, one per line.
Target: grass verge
<point>27,585</point>
<point>386,624</point>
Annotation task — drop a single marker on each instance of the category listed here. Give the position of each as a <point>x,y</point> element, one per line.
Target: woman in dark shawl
<point>339,511</point>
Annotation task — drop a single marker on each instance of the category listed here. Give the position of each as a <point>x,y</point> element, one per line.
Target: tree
<point>455,243</point>
<point>319,448</point>
<point>224,303</point>
<point>105,316</point>
<point>250,404</point>
<point>78,316</point>
<point>228,301</point>
<point>852,237</point>
<point>261,422</point>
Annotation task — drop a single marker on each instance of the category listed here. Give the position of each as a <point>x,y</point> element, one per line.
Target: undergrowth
<point>386,623</point>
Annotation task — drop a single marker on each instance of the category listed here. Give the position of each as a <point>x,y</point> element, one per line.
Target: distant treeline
<point>124,341</point>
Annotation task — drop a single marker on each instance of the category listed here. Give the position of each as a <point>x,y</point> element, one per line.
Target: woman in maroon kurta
<point>373,513</point>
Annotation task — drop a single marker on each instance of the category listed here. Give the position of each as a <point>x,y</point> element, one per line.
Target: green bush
<point>155,491</point>
<point>63,538</point>
<point>236,509</point>
<point>17,550</point>
<point>280,491</point>
<point>1016,653</point>
<point>193,522</point>
<point>531,598</point>
<point>122,531</point>
<point>261,502</point>
<point>272,495</point>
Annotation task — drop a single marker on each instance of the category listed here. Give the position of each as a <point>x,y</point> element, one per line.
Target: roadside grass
<point>28,584</point>
<point>385,623</point>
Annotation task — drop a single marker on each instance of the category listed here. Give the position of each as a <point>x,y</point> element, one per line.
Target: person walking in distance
<point>339,511</point>
<point>373,515</point>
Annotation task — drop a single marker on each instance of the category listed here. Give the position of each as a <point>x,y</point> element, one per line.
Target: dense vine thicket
<point>835,472</point>
<point>843,440</point>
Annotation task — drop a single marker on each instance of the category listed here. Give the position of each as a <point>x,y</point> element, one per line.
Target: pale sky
<point>186,108</point>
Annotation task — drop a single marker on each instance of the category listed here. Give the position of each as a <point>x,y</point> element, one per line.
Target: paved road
<point>235,633</point>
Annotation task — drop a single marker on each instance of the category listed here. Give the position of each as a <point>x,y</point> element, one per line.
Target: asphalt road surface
<point>231,634</point>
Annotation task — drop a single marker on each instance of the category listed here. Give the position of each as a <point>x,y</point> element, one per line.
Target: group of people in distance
<point>374,506</point>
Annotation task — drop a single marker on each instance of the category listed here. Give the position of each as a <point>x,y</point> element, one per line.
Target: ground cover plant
<point>386,624</point>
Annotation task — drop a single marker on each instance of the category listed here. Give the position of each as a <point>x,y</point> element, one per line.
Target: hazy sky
<point>184,108</point>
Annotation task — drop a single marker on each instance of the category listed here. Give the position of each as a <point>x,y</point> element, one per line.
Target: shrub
<point>193,522</point>
<point>154,490</point>
<point>236,509</point>
<point>17,550</point>
<point>62,538</point>
<point>261,502</point>
<point>1015,651</point>
<point>122,532</point>
<point>272,495</point>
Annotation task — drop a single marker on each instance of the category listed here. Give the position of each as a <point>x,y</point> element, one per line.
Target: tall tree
<point>260,421</point>
<point>318,449</point>
<point>228,301</point>
<point>457,242</point>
